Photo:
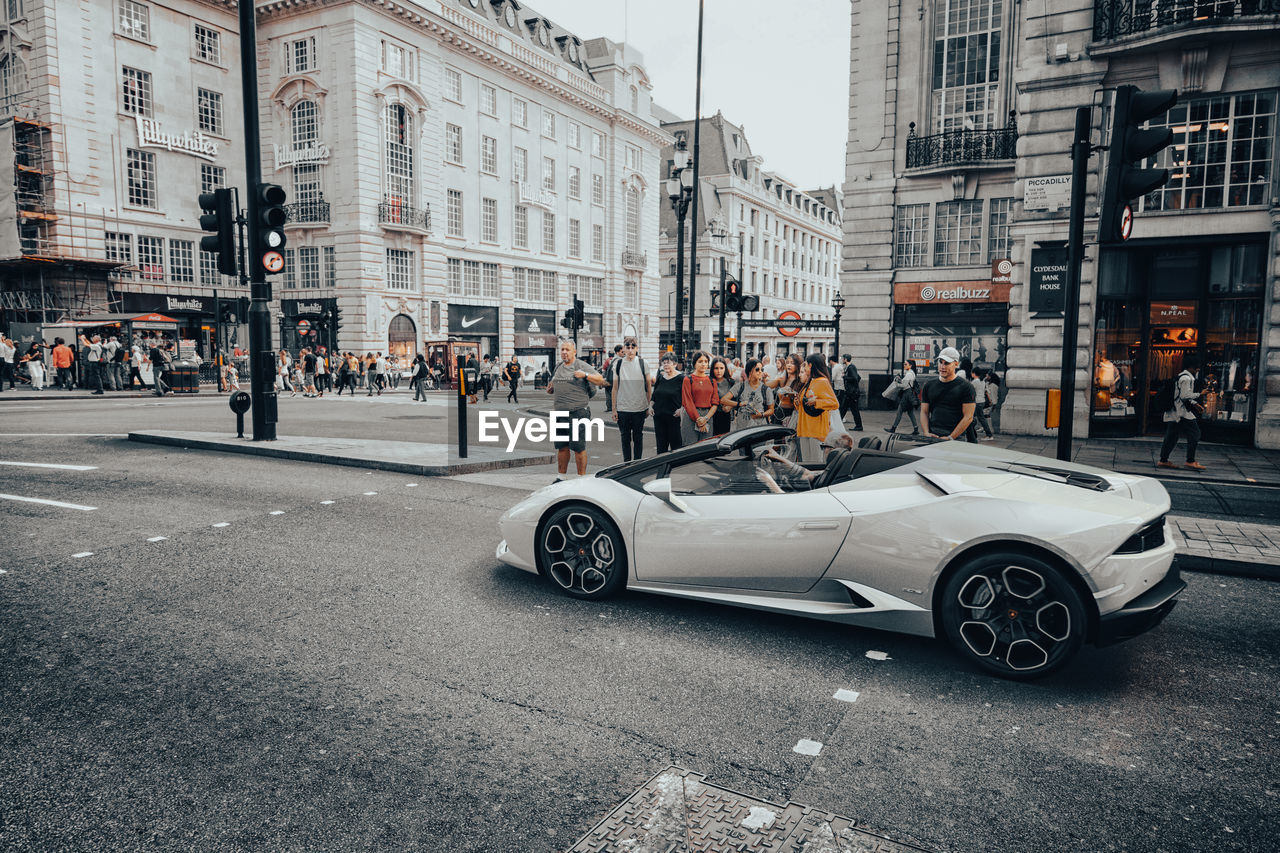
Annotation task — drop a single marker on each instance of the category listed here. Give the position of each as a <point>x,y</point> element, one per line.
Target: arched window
<point>402,337</point>
<point>305,131</point>
<point>13,81</point>
<point>399,153</point>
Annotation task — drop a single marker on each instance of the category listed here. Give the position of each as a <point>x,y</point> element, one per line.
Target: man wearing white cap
<point>947,403</point>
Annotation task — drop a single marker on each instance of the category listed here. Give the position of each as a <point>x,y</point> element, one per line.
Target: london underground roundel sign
<point>789,329</point>
<point>1126,223</point>
<point>304,327</point>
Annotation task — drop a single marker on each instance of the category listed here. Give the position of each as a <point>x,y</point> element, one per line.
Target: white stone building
<point>991,88</point>
<point>782,241</point>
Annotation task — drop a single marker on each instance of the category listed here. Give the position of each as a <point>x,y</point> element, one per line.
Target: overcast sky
<point>780,69</point>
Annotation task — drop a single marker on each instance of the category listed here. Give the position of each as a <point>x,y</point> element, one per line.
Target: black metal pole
<point>1081,147</point>
<point>836,350</point>
<point>462,406</point>
<point>724,346</point>
<point>261,388</point>
<point>681,210</point>
<point>693,228</point>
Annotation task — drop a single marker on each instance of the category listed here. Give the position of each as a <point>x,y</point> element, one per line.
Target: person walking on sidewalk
<point>908,397</point>
<point>418,382</point>
<point>8,351</point>
<point>632,390</point>
<point>135,367</point>
<point>513,380</point>
<point>1182,418</point>
<point>62,360</point>
<point>947,403</point>
<point>159,367</point>
<point>93,362</point>
<point>667,405</point>
<point>34,360</point>
<point>851,401</point>
<point>979,382</point>
<point>570,392</point>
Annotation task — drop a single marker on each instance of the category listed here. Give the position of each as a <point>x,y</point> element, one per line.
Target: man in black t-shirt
<point>947,403</point>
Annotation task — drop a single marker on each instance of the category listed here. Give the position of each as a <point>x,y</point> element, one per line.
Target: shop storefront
<point>402,339</point>
<point>972,316</point>
<point>1159,303</point>
<point>535,342</point>
<point>310,323</point>
<point>475,323</point>
<point>591,339</point>
<point>194,316</point>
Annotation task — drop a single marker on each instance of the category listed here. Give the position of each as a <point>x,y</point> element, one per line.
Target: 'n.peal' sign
<point>1047,282</point>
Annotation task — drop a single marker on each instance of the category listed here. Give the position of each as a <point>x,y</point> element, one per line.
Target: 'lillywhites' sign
<point>314,152</point>
<point>173,303</point>
<point>195,143</point>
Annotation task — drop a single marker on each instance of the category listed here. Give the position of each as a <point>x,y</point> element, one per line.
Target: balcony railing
<point>633,260</point>
<point>1113,19</point>
<point>394,212</point>
<point>306,212</point>
<point>961,147</point>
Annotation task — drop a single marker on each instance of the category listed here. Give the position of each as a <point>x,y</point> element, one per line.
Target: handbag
<point>891,392</point>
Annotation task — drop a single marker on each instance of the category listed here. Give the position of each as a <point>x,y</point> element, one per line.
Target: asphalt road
<point>362,674</point>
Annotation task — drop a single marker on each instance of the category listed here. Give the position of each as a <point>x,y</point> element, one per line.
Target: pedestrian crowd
<point>100,364</point>
<point>952,405</point>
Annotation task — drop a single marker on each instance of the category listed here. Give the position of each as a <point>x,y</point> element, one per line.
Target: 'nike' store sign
<point>473,320</point>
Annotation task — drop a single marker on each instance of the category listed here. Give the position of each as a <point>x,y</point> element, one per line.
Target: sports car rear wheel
<point>581,551</point>
<point>1013,614</point>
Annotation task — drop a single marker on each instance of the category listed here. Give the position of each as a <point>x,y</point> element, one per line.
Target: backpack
<point>1165,395</point>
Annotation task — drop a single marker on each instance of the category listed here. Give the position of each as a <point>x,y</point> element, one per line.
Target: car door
<point>728,533</point>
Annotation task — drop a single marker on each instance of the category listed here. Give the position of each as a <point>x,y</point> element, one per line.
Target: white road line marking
<point>47,502</point>
<point>82,554</point>
<point>807,747</point>
<point>277,512</point>
<point>4,571</point>
<point>325,503</point>
<point>222,524</point>
<point>846,695</point>
<point>51,465</point>
<point>878,655</point>
<point>157,538</point>
<point>370,493</point>
<point>411,485</point>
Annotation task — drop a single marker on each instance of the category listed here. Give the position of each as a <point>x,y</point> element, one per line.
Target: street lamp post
<point>719,231</point>
<point>837,302</point>
<point>680,190</point>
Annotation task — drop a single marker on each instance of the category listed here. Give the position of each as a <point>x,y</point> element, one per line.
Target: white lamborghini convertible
<point>1016,559</point>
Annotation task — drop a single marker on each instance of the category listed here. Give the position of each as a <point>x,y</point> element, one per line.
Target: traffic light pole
<point>261,360</point>
<point>1081,148</point>
<point>724,349</point>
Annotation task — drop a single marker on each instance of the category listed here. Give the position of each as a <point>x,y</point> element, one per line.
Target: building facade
<point>974,200</point>
<point>781,242</point>
<point>456,171</point>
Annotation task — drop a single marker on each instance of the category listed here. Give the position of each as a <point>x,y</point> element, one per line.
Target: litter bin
<point>183,377</point>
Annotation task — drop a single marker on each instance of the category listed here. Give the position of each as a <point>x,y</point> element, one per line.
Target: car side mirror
<point>661,489</point>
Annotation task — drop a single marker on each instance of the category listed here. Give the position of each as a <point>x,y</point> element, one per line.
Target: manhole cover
<point>678,812</point>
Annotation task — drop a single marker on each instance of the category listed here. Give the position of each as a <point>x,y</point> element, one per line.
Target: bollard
<point>240,402</point>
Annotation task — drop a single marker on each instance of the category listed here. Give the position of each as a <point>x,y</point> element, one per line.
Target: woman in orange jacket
<point>814,404</point>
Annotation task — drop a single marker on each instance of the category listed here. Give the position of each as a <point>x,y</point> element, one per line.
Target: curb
<point>1222,566</point>
<point>257,449</point>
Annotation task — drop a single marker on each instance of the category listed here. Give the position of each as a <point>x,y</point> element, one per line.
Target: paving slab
<point>428,460</point>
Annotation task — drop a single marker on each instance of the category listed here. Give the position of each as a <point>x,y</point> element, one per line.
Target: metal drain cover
<point>678,812</point>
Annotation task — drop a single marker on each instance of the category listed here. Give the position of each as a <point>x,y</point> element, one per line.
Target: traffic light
<point>1130,145</point>
<point>567,320</point>
<point>579,313</point>
<point>732,294</point>
<point>271,218</point>
<point>218,215</point>
<point>750,302</point>
<point>242,309</point>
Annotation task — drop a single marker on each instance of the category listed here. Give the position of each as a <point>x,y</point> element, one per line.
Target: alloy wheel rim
<point>580,553</point>
<point>1014,619</point>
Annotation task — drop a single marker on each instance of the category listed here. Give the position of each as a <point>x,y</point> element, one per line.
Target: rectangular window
<point>575,182</point>
<point>550,287</point>
<point>912,238</point>
<point>958,236</point>
<point>597,144</point>
<point>330,266</point>
<point>548,231</point>
<point>575,238</point>
<point>309,266</point>
<point>134,19</point>
<point>520,227</point>
<point>597,242</point>
<point>519,283</point>
<point>151,258</point>
<point>120,250</point>
<point>489,220</point>
<point>454,204</point>
<point>471,278</point>
<point>1221,153</point>
<point>489,155</point>
<point>548,174</point>
<point>519,112</point>
<point>548,124</point>
<point>208,45</point>
<point>453,143</point>
<point>136,91</point>
<point>212,177</point>
<point>141,168</point>
<point>453,84</point>
<point>209,275</point>
<point>520,165</point>
<point>631,294</point>
<point>400,269</point>
<point>182,261</point>
<point>489,278</point>
<point>998,244</point>
<point>597,190</point>
<point>209,111</point>
<point>488,99</point>
<point>966,64</point>
<point>455,277</point>
<point>300,55</point>
<point>575,135</point>
<point>633,158</point>
<point>397,61</point>
<point>633,219</point>
<point>290,270</point>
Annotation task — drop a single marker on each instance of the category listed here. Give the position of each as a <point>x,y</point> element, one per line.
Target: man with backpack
<point>571,387</point>
<point>850,399</point>
<point>159,366</point>
<point>607,372</point>
<point>630,396</point>
<point>1178,400</point>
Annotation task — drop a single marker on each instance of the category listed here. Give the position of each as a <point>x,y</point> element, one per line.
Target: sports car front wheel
<point>1013,614</point>
<point>581,551</point>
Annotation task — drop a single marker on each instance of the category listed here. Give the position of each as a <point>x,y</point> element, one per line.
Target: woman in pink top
<point>699,398</point>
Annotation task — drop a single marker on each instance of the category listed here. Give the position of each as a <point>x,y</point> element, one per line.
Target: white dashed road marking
<point>878,655</point>
<point>82,554</point>
<point>51,465</point>
<point>807,747</point>
<point>325,503</point>
<point>47,502</point>
<point>277,512</point>
<point>222,524</point>
<point>157,538</point>
<point>846,695</point>
<point>370,493</point>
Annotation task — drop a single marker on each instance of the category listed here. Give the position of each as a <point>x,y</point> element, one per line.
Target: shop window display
<point>1231,356</point>
<point>1117,355</point>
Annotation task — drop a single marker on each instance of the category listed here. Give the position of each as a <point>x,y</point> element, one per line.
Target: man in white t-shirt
<point>93,361</point>
<point>632,391</point>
